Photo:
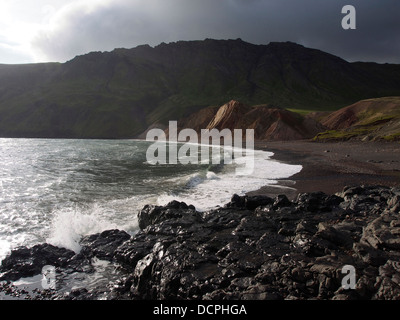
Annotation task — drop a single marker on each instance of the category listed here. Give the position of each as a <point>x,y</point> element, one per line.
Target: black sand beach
<point>329,167</point>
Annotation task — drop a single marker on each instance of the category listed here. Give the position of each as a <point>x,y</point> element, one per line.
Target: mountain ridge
<point>120,94</point>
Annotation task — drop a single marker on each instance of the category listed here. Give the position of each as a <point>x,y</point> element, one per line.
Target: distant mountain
<point>371,119</point>
<point>122,93</point>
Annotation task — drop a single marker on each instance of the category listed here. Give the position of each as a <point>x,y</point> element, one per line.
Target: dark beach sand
<point>329,167</point>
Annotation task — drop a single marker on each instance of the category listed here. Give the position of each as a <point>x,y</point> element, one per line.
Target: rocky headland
<point>255,247</point>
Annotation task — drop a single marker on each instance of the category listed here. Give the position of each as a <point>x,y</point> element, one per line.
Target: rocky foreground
<point>255,247</point>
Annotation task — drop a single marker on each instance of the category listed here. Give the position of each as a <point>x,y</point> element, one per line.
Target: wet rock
<point>237,202</point>
<point>103,245</point>
<point>254,202</point>
<point>394,204</point>
<point>334,236</point>
<point>317,202</point>
<point>281,201</point>
<point>151,215</point>
<point>388,281</point>
<point>27,262</point>
<point>252,248</point>
<point>383,233</point>
<point>249,202</point>
<point>370,255</point>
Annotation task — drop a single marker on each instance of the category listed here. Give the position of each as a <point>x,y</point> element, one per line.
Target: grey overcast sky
<point>58,30</point>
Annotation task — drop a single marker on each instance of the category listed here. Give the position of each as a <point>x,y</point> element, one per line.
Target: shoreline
<point>233,251</point>
<point>331,166</point>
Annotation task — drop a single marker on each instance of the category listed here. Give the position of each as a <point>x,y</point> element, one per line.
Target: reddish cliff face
<point>341,119</point>
<point>268,122</point>
<point>363,112</point>
<point>229,116</point>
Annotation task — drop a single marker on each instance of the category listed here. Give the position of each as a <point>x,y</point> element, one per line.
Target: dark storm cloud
<point>313,23</point>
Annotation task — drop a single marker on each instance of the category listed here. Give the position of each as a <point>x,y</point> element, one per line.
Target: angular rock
<point>103,245</point>
<point>28,262</point>
<point>151,215</point>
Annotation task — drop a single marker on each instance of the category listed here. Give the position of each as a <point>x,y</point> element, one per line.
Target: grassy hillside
<point>119,94</point>
<point>371,119</point>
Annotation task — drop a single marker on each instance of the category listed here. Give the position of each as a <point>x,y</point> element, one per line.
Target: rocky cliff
<point>267,121</point>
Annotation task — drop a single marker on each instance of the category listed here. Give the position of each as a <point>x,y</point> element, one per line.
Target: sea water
<point>56,190</point>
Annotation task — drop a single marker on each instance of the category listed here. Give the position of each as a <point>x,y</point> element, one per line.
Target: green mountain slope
<point>119,94</point>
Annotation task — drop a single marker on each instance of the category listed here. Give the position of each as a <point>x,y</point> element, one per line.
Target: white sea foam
<point>216,189</point>
<point>61,190</point>
<point>70,225</point>
<point>5,248</point>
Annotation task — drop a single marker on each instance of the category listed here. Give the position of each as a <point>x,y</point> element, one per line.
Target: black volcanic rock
<point>252,248</point>
<point>150,215</point>
<point>103,245</point>
<point>27,262</point>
